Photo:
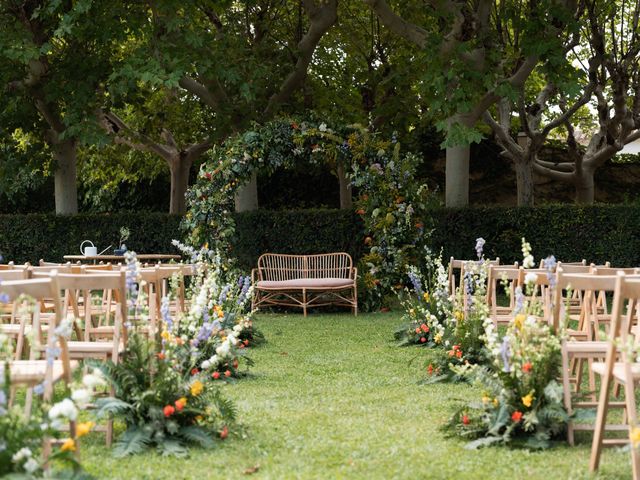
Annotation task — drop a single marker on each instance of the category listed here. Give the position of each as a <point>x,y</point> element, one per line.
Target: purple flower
<point>505,353</point>
<point>479,247</point>
<point>550,265</point>
<point>417,283</point>
<point>164,311</point>
<point>519,300</point>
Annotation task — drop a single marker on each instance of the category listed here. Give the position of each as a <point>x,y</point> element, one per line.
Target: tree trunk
<point>585,186</point>
<point>524,182</point>
<point>457,176</point>
<point>179,168</point>
<point>247,196</point>
<point>65,185</point>
<point>346,201</point>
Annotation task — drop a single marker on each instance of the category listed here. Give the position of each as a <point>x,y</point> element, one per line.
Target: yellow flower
<point>220,314</point>
<point>459,315</point>
<point>83,428</point>
<point>518,321</point>
<point>527,400</point>
<point>412,312</point>
<point>437,337</point>
<point>69,445</point>
<point>165,335</point>
<point>196,388</point>
<point>634,436</point>
<point>426,296</point>
<point>485,400</point>
<point>495,402</point>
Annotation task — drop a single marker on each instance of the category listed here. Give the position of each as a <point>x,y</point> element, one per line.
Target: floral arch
<point>393,205</point>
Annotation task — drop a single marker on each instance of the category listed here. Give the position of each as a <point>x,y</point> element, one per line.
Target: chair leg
<point>629,394</point>
<point>566,387</point>
<point>601,418</point>
<point>304,302</point>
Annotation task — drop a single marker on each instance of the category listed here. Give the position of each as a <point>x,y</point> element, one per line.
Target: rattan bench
<point>305,281</point>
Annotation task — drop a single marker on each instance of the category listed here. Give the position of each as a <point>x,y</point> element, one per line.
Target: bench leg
<point>304,302</point>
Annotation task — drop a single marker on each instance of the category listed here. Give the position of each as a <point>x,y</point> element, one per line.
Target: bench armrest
<point>256,274</point>
<point>354,273</point>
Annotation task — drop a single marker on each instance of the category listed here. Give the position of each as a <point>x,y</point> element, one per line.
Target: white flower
<point>206,364</point>
<point>232,339</point>
<point>246,156</point>
<point>223,350</point>
<point>93,380</point>
<point>238,328</point>
<point>66,408</point>
<point>20,454</point>
<point>81,396</point>
<point>530,278</point>
<point>323,127</point>
<point>31,465</point>
<point>528,262</point>
<point>214,360</point>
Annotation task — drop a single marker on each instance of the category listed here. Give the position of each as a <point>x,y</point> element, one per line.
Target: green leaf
<point>172,447</point>
<point>133,441</point>
<point>482,442</point>
<point>198,435</point>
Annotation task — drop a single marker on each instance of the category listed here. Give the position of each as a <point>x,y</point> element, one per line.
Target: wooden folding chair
<point>579,346</point>
<point>620,365</point>
<point>456,267</point>
<point>497,275</point>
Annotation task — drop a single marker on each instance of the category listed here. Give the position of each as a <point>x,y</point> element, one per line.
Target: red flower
<point>423,339</point>
<point>424,327</point>
<point>465,420</point>
<point>227,373</point>
<point>430,369</point>
<point>418,330</point>
<point>527,367</point>
<point>207,175</point>
<point>459,354</point>
<point>235,363</point>
<point>215,375</point>
<point>241,345</point>
<point>224,433</point>
<point>168,410</point>
<point>516,416</point>
<point>246,343</point>
<point>161,356</point>
<point>194,371</point>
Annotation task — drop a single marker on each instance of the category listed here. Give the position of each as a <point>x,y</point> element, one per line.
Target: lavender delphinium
<point>480,246</point>
<point>246,284</point>
<point>505,353</point>
<point>416,282</point>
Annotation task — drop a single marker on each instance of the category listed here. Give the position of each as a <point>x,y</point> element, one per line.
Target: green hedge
<point>47,236</point>
<point>597,233</point>
<point>296,232</point>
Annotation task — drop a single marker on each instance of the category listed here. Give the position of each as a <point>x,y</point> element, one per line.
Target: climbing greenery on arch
<point>393,205</point>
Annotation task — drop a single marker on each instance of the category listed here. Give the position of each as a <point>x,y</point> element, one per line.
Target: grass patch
<point>332,397</point>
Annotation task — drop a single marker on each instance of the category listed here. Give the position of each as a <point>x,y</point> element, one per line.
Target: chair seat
<point>32,372</point>
<point>92,348</point>
<point>300,283</point>
<point>618,370</point>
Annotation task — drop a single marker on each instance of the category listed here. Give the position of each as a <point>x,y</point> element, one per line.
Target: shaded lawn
<point>331,396</point>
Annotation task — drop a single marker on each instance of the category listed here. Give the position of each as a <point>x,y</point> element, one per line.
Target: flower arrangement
<point>463,340</point>
<point>162,394</point>
<point>426,305</point>
<point>22,437</point>
<point>521,401</point>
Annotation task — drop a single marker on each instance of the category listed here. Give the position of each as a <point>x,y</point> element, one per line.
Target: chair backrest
<point>627,288</point>
<point>608,271</point>
<point>574,268</point>
<point>588,287</point>
<point>40,289</point>
<point>457,266</point>
<point>279,267</point>
<point>21,274</point>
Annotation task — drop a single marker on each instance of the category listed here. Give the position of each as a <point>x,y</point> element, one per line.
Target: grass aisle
<point>332,397</point>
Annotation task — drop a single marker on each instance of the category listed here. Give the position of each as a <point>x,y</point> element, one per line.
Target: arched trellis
<point>392,203</point>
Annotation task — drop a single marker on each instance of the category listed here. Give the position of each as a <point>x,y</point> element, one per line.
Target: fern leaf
<point>172,447</point>
<point>133,441</point>
<point>197,435</point>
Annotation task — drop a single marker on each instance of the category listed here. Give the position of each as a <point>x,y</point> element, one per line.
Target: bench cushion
<point>306,283</point>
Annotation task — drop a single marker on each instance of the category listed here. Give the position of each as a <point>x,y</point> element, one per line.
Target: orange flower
<point>360,211</point>
<point>516,416</point>
<point>181,403</point>
<point>424,327</point>
<point>161,356</point>
<point>168,410</point>
<point>418,330</point>
<point>227,373</point>
<point>83,428</point>
<point>527,367</point>
<point>465,420</point>
<point>215,375</point>
<point>430,369</point>
<point>459,354</point>
<point>224,433</point>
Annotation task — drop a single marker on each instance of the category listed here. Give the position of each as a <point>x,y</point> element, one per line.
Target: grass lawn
<point>331,396</point>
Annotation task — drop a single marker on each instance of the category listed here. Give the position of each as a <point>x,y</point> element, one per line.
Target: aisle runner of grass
<point>332,397</point>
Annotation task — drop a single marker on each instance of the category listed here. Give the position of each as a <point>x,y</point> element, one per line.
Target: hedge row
<point>34,236</point>
<point>598,233</point>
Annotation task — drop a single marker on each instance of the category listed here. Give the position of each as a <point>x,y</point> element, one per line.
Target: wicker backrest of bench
<point>278,267</point>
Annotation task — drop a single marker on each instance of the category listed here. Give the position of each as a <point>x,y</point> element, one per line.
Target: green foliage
<point>598,233</point>
<point>50,237</point>
<point>295,232</point>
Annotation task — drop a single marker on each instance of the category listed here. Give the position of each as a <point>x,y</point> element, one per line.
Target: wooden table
<point>156,257</point>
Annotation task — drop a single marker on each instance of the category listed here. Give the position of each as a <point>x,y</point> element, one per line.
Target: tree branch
<point>322,18</point>
<point>394,22</point>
